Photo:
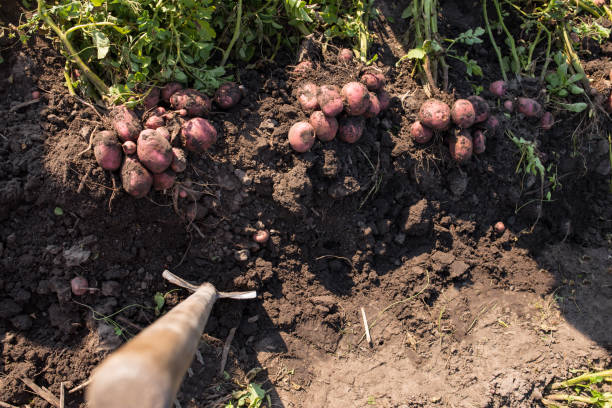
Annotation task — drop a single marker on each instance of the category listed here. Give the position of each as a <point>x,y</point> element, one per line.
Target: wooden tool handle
<point>147,371</point>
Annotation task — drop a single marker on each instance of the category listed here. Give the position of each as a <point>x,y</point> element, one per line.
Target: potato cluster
<point>144,149</point>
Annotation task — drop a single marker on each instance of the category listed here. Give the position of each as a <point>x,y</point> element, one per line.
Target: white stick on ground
<point>42,392</point>
<point>80,387</point>
<point>5,405</point>
<point>62,394</point>
<point>365,325</point>
<point>226,348</point>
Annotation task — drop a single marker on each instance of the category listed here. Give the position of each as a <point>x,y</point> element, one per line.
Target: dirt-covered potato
<point>153,151</point>
<point>195,102</point>
<point>136,179</point>
<point>529,107</point>
<point>461,146</point>
<point>351,129</point>
<point>228,95</point>
<point>325,127</point>
<point>356,98</point>
<point>301,136</point>
<point>481,108</point>
<point>420,133</point>
<point>198,135</point>
<point>330,100</point>
<point>435,114</point>
<point>169,90</point>
<point>126,123</point>
<point>164,181</point>
<point>107,150</point>
<point>463,113</point>
<point>479,141</point>
<point>307,96</point>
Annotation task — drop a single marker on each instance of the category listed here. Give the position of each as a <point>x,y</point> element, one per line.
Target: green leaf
<point>102,43</point>
<point>575,107</point>
<point>159,303</point>
<point>575,78</point>
<point>415,53</point>
<point>563,93</point>
<point>97,3</point>
<point>58,211</point>
<point>407,13</point>
<point>575,89</point>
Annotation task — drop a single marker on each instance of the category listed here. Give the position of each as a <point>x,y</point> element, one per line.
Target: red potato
<point>303,66</point>
<point>374,108</point>
<point>492,123</point>
<point>356,98</point>
<point>325,127</point>
<point>35,94</point>
<point>435,114</point>
<point>154,151</point>
<point>107,150</point>
<point>154,121</point>
<point>198,135</point>
<point>228,95</point>
<point>372,81</point>
<point>79,286</point>
<point>529,107</point>
<point>498,88</point>
<point>384,99</point>
<point>182,112</point>
<point>481,108</point>
<point>169,90</point>
<point>307,97</point>
<point>351,129</point>
<point>129,147</point>
<point>547,121</point>
<point>164,181</point>
<point>479,142</point>
<point>158,111</point>
<point>126,123</point>
<point>461,146</point>
<point>420,133</point>
<point>345,55</point>
<point>152,99</point>
<point>261,236</point>
<point>196,103</point>
<point>163,132</point>
<point>509,106</point>
<point>179,160</point>
<point>329,99</point>
<point>499,227</point>
<point>301,136</point>
<point>136,179</point>
<point>463,113</point>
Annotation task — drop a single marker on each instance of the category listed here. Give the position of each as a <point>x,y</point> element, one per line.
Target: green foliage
<point>253,396</point>
<point>560,82</point>
<point>592,30</point>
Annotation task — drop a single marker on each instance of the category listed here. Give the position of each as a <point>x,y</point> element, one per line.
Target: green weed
<point>585,390</point>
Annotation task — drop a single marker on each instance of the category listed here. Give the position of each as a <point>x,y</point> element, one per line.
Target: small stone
<point>400,238</point>
<point>269,124</point>
<point>242,255</point>
<point>76,256</point>
<point>458,268</point>
<point>444,258</point>
<point>243,177</point>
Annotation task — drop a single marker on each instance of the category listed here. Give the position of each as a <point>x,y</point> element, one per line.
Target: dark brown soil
<point>460,315</point>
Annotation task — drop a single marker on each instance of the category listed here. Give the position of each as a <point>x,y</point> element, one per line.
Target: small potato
<point>196,103</point>
<point>492,124</point>
<point>509,106</point>
<point>307,97</point>
<point>79,286</point>
<point>228,95</point>
<point>153,122</point>
<point>152,99</point>
<point>126,123</point>
<point>107,150</point>
<point>373,81</point>
<point>356,98</point>
<point>154,151</point>
<point>479,141</point>
<point>163,132</point>
<point>198,135</point>
<point>420,134</point>
<point>129,147</point>
<point>463,113</point>
<point>136,180</point>
<point>481,107</point>
<point>303,66</point>
<point>351,129</point>
<point>35,94</point>
<point>164,181</point>
<point>330,100</point>
<point>499,227</point>
<point>374,108</point>
<point>498,88</point>
<point>301,136</point>
<point>345,55</point>
<point>261,236</point>
<point>435,114</point>
<point>179,160</point>
<point>461,146</point>
<point>529,107</point>
<point>169,90</point>
<point>325,127</point>
<point>384,99</point>
<point>547,121</point>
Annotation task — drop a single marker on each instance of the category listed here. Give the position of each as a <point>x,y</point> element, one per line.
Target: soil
<point>460,315</point>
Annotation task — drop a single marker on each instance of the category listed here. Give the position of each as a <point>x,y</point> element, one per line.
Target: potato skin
<point>154,121</point>
<point>136,180</point>
<point>461,146</point>
<point>303,66</point>
<point>126,123</point>
<point>325,127</point>
<point>198,135</point>
<point>529,107</point>
<point>372,81</point>
<point>345,55</point>
<point>164,181</point>
<point>463,113</point>
<point>329,99</point>
<point>228,95</point>
<point>307,97</point>
<point>179,160</point>
<point>479,142</point>
<point>374,108</point>
<point>169,90</point>
<point>301,136</point>
<point>153,151</point>
<point>356,98</point>
<point>420,134</point>
<point>107,150</point>
<point>547,121</point>
<point>196,103</point>
<point>351,129</point>
<point>481,108</point>
<point>498,88</point>
<point>152,99</point>
<point>435,114</point>
<point>129,147</point>
<point>384,98</point>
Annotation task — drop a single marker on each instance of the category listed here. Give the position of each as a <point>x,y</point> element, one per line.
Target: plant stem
<point>362,16</point>
<point>493,44</point>
<point>572,398</point>
<point>72,53</point>
<point>510,38</point>
<point>78,27</point>
<point>583,377</point>
<point>235,36</point>
<point>547,58</point>
<point>575,61</point>
<point>68,80</point>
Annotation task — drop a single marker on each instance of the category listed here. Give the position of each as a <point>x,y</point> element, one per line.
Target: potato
<point>129,147</point>
<point>153,122</point>
<point>529,107</point>
<point>164,181</point>
<point>163,132</point>
<point>79,286</point>
<point>198,135</point>
<point>329,99</point>
<point>228,95</point>
<point>153,151</point>
<point>169,90</point>
<point>307,97</point>
<point>126,123</point>
<point>351,129</point>
<point>384,99</point>
<point>345,55</point>
<point>261,236</point>
<point>373,81</point>
<point>499,227</point>
<point>420,133</point>
<point>463,113</point>
<point>135,178</point>
<point>325,127</point>
<point>356,98</point>
<point>303,66</point>
<point>479,142</point>
<point>509,106</point>
<point>107,150</point>
<point>374,108</point>
<point>435,114</point>
<point>196,103</point>
<point>152,99</point>
<point>492,124</point>
<point>498,88</point>
<point>481,108</point>
<point>301,136</point>
<point>179,160</point>
<point>461,146</point>
<point>547,121</point>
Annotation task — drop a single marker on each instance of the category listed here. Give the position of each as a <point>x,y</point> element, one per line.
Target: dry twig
<point>226,348</point>
<point>42,392</point>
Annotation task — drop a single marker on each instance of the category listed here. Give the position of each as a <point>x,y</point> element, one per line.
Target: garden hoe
<point>147,371</point>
